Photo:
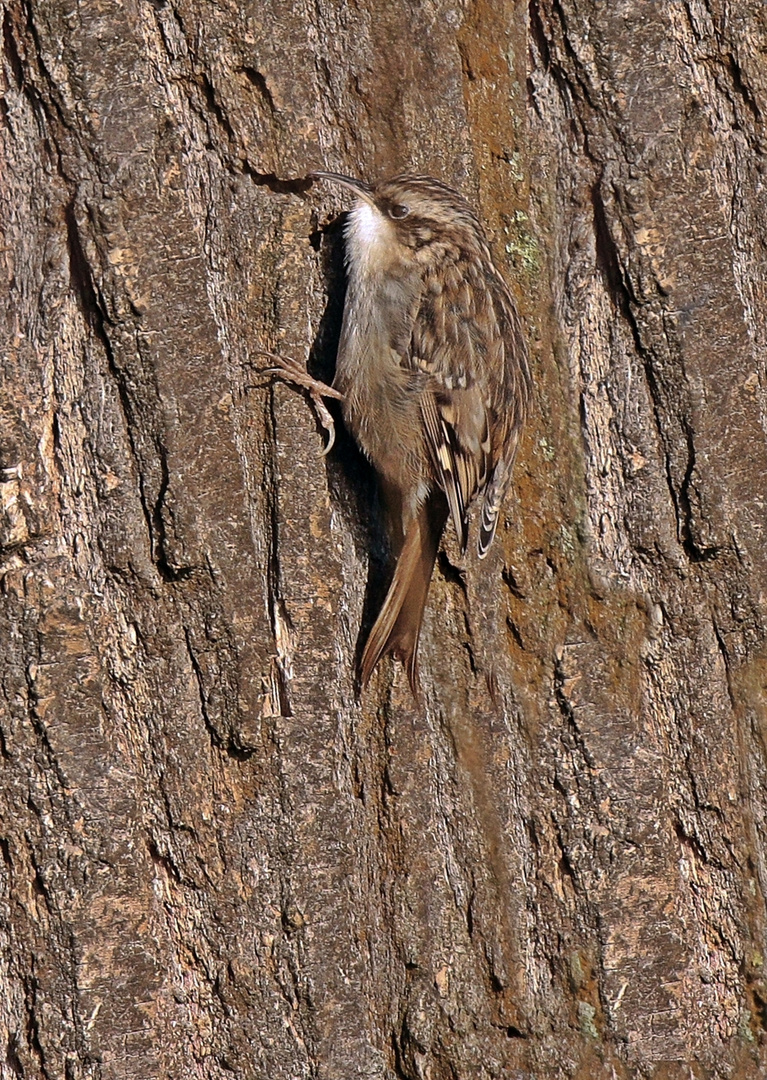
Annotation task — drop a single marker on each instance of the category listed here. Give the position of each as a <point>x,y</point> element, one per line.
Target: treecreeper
<point>433,376</point>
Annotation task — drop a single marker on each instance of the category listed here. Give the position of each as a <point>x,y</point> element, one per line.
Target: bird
<point>434,381</point>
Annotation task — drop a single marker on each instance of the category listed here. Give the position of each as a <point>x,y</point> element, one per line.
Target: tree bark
<point>217,860</point>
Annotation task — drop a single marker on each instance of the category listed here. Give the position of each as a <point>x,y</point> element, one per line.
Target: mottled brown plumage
<point>433,370</point>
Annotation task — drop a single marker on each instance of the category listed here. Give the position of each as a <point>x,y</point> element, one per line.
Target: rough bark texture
<point>216,861</point>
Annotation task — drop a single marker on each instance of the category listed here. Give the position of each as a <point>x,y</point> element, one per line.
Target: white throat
<point>367,233</point>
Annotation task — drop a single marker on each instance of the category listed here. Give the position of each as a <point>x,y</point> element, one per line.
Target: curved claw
<point>327,421</point>
<point>331,437</point>
<point>289,369</point>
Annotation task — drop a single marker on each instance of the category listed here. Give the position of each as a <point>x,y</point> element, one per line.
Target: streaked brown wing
<point>510,395</point>
<point>451,343</point>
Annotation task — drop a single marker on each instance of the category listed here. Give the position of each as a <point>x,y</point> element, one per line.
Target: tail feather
<point>398,626</point>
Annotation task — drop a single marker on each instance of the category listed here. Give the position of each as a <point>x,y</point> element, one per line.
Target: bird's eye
<point>399,211</point>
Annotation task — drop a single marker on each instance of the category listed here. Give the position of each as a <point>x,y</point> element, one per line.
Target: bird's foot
<point>285,367</point>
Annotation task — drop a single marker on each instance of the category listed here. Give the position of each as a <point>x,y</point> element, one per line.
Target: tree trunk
<point>217,860</point>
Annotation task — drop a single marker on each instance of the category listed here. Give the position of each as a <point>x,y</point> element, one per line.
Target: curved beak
<point>361,189</point>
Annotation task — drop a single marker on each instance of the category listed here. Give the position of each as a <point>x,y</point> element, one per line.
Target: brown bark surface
<point>216,861</point>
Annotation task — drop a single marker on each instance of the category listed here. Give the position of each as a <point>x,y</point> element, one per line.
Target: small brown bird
<point>433,374</point>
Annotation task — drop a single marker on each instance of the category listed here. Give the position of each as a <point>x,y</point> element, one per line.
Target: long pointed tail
<point>397,628</point>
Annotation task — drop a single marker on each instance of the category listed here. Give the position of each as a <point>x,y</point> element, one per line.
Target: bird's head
<point>406,218</point>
